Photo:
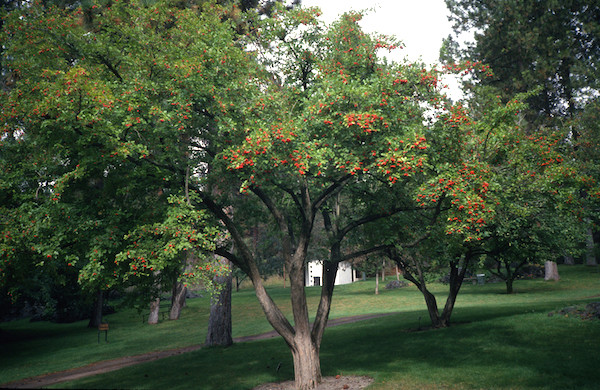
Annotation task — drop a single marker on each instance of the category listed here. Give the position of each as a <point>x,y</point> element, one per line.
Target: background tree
<point>545,45</point>
<point>104,119</point>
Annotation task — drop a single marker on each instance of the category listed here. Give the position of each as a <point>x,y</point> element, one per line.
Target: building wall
<point>314,273</point>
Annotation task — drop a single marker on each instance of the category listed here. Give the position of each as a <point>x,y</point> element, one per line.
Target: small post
<point>103,327</point>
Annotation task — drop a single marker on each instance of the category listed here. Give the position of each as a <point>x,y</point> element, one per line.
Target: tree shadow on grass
<point>498,348</point>
<point>507,351</point>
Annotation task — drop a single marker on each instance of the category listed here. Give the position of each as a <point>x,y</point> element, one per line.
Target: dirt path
<point>115,364</point>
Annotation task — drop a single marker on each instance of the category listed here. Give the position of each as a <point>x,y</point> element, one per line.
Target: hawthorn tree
<point>107,110</point>
<point>326,115</point>
<point>166,96</point>
<point>550,47</point>
<point>490,191</point>
<point>453,203</point>
<point>585,151</point>
<point>540,211</point>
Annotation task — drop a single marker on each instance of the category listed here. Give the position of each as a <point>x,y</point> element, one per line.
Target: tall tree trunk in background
<point>177,300</point>
<point>96,316</point>
<point>219,322</point>
<point>377,282</point>
<point>154,311</point>
<point>590,256</point>
<point>568,260</point>
<point>551,271</point>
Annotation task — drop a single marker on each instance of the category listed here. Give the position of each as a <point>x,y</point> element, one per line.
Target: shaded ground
<point>101,367</point>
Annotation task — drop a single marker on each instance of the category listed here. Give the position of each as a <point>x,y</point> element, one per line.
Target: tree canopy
<point>135,133</point>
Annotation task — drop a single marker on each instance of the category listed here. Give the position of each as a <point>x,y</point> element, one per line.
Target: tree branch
<point>364,252</point>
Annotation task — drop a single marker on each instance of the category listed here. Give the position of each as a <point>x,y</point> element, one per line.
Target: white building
<point>313,273</point>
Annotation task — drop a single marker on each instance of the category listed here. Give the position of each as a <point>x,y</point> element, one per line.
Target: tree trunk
<point>96,316</point>
<point>177,300</point>
<point>154,311</point>
<point>551,271</point>
<point>568,260</point>
<point>509,285</point>
<point>432,308</point>
<point>377,282</point>
<point>219,322</point>
<point>307,367</point>
<point>430,300</point>
<point>590,256</point>
<point>456,279</point>
<point>383,272</point>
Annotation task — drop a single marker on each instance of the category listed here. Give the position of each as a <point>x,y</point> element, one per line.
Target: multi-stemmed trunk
<point>179,290</point>
<point>510,272</point>
<point>457,275</point>
<point>303,338</point>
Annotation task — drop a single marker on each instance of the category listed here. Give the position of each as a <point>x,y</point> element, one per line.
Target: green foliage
<point>358,117</point>
<point>549,44</point>
<point>100,128</point>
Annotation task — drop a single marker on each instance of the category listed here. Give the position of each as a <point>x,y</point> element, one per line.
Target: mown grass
<point>497,341</point>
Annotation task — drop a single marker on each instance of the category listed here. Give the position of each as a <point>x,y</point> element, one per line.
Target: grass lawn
<point>497,341</point>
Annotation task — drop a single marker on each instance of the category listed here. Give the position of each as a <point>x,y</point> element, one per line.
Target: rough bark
<point>551,271</point>
<point>154,312</point>
<point>330,269</point>
<point>432,308</point>
<point>177,300</point>
<point>307,366</point>
<point>219,322</point>
<point>96,315</point>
